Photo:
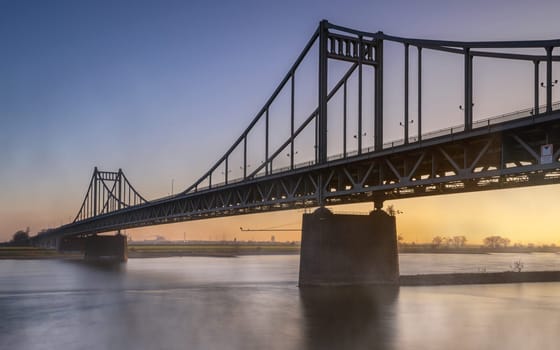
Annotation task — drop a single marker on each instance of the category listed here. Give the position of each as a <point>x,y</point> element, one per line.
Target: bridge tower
<point>348,249</point>
<point>108,191</point>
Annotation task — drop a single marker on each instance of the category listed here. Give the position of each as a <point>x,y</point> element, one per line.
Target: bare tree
<point>459,241</point>
<point>517,265</point>
<point>496,242</point>
<point>437,241</point>
<point>491,241</point>
<point>505,242</point>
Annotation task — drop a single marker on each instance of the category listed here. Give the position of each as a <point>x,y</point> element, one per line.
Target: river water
<point>253,302</point>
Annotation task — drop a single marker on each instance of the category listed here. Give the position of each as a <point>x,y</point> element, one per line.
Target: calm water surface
<point>253,302</point>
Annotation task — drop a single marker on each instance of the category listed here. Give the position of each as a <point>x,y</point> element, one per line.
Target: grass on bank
<point>213,248</point>
<point>28,253</point>
<point>144,250</point>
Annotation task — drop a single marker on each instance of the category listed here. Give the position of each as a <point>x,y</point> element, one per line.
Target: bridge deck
<point>496,156</point>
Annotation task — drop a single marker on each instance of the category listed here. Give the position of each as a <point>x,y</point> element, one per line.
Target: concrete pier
<point>348,249</point>
<point>106,248</point>
<point>70,245</point>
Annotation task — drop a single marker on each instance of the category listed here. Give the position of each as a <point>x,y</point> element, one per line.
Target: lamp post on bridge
<point>548,88</point>
<point>292,156</point>
<point>359,140</point>
<point>553,84</point>
<point>470,112</point>
<point>405,126</point>
<point>462,108</point>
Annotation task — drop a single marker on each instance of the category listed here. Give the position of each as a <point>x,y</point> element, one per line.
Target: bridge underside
<point>505,155</point>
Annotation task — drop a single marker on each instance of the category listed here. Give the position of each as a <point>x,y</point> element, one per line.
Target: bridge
<point>328,158</point>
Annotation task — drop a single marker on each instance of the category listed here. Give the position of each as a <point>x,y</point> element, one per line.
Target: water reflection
<point>349,317</point>
<point>253,302</point>
<point>105,266</point>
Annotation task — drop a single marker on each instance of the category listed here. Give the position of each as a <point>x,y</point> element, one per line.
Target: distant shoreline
<point>141,251</point>
<point>419,249</point>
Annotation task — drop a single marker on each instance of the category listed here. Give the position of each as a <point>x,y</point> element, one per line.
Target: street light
<point>551,85</point>
<point>461,107</point>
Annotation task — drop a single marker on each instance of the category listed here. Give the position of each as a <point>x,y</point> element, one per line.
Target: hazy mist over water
<point>253,302</point>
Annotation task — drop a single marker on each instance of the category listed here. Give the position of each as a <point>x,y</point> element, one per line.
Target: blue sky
<point>162,88</point>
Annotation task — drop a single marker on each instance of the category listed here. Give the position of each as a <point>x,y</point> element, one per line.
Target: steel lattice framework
<point>501,152</point>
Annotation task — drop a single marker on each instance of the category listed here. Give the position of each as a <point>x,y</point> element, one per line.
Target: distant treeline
<point>476,249</point>
<point>490,243</point>
<point>19,239</point>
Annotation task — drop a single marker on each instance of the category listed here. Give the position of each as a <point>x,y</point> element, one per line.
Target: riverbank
<point>160,251</point>
<point>31,253</point>
<point>209,250</point>
<point>479,278</point>
<point>426,249</point>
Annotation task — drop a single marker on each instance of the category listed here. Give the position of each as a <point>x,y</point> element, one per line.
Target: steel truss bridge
<point>512,150</point>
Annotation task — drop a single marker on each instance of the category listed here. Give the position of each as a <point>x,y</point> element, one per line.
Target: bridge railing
<point>523,113</point>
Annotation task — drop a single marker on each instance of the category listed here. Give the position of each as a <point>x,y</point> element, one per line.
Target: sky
<point>162,88</point>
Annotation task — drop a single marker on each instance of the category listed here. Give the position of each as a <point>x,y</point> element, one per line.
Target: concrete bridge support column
<point>70,244</point>
<point>106,248</point>
<point>348,249</point>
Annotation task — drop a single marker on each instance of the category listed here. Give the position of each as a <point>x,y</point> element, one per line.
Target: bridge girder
<point>499,156</point>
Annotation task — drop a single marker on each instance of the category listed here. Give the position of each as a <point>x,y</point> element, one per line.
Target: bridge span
<point>521,148</point>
